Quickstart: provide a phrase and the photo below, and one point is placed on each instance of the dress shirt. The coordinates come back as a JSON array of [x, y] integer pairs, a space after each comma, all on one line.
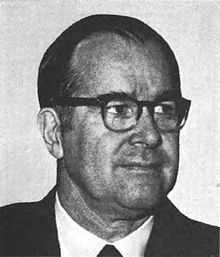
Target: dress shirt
[[74, 240]]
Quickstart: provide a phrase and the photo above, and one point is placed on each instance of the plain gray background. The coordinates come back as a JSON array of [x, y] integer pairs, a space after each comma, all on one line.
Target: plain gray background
[[192, 30]]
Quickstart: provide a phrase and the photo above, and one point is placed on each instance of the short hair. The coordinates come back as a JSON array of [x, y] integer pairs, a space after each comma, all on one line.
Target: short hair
[[55, 76]]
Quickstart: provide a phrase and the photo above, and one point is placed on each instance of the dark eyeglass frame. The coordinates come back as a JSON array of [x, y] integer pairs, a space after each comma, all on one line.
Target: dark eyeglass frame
[[102, 101]]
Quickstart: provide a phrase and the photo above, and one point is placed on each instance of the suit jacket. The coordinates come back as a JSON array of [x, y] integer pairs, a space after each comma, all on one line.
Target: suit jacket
[[29, 229]]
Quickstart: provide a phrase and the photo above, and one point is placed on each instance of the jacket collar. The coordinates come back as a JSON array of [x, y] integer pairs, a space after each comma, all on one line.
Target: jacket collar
[[165, 238], [49, 239]]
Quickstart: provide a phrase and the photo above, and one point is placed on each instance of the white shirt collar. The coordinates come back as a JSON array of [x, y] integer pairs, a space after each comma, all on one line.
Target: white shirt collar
[[74, 240]]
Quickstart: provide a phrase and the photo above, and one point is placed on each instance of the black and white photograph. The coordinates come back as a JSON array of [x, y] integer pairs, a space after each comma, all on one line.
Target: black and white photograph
[[109, 130]]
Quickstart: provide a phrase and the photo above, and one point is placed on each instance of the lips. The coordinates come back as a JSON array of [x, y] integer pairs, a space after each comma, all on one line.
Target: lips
[[151, 165]]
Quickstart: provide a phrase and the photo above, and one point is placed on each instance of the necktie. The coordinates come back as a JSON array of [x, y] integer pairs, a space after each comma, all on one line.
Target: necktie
[[109, 251]]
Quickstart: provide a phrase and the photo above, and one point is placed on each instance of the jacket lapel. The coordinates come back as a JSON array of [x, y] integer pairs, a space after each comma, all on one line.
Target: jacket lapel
[[165, 238], [48, 238]]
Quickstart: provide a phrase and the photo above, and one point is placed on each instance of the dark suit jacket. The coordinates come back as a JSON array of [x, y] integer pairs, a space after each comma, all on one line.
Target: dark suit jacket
[[29, 229]]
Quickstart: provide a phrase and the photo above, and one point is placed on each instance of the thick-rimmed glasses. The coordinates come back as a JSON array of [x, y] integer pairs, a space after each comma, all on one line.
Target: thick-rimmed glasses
[[121, 113]]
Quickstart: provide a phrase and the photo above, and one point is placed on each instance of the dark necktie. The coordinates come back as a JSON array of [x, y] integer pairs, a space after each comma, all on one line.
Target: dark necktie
[[109, 251]]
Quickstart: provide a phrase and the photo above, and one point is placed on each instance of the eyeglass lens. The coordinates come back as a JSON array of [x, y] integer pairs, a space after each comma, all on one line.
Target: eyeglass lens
[[121, 115]]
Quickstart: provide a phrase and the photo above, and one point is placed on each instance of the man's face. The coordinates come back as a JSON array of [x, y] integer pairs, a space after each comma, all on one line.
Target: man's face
[[120, 171]]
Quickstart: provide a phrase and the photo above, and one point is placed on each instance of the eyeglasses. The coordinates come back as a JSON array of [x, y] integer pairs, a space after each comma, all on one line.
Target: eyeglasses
[[121, 113]]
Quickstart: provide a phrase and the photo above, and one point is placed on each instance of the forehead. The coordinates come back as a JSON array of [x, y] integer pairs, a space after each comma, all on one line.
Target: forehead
[[110, 63]]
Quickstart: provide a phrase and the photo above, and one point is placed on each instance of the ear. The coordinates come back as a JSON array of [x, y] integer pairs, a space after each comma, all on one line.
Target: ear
[[49, 125]]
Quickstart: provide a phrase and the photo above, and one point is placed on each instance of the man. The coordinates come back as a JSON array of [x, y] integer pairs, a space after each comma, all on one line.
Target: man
[[111, 112]]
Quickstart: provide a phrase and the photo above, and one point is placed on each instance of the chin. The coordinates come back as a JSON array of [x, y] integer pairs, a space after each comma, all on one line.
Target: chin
[[143, 201]]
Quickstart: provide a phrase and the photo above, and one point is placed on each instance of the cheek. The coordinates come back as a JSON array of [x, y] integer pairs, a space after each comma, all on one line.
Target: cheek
[[171, 145], [99, 149], [88, 154], [171, 148]]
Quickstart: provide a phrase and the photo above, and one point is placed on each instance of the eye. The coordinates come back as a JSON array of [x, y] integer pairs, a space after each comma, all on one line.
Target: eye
[[122, 109], [166, 108]]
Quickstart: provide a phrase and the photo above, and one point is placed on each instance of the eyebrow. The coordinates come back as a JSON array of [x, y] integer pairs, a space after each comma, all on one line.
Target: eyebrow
[[118, 94], [166, 95]]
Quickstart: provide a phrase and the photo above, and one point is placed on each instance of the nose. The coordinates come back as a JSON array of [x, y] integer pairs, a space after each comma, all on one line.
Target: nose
[[145, 133]]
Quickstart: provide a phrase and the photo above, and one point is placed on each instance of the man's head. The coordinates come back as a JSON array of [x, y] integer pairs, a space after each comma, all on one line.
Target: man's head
[[119, 152]]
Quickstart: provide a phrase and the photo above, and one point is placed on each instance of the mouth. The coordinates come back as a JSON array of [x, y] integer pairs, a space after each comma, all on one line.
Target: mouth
[[141, 167]]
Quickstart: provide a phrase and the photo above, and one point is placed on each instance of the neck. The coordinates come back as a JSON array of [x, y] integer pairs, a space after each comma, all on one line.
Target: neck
[[102, 219]]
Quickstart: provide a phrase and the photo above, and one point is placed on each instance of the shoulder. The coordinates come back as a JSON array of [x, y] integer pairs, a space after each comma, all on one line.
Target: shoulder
[[20, 214], [23, 214], [196, 237], [17, 223], [17, 210], [17, 214], [174, 234], [200, 233], [24, 226]]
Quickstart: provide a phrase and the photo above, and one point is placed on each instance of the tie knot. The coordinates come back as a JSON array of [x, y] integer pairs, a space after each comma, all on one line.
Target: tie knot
[[109, 251]]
